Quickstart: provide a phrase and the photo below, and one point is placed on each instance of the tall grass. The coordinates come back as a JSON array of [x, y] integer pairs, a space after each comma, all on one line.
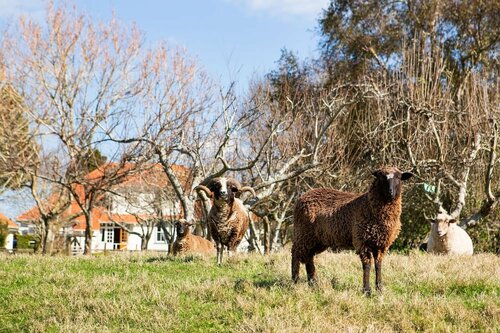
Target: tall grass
[[249, 293]]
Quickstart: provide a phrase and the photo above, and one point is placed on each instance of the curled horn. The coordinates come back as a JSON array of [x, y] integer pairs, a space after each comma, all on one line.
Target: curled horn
[[249, 189], [428, 218], [233, 182], [241, 189], [205, 189]]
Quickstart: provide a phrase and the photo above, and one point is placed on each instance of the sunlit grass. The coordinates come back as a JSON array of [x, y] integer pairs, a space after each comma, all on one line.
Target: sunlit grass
[[248, 293]]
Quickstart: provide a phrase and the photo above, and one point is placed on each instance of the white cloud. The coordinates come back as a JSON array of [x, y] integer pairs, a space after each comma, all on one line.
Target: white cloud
[[307, 8], [13, 8]]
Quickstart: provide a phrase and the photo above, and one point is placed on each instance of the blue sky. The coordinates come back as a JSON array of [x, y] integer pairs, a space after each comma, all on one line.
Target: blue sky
[[232, 39]]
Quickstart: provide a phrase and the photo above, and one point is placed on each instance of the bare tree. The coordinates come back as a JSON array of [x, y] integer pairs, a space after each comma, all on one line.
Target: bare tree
[[51, 203], [448, 136], [18, 150], [306, 143], [74, 76], [451, 140]]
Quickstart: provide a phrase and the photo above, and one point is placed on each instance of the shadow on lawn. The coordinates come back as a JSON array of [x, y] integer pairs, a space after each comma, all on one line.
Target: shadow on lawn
[[169, 258], [262, 282]]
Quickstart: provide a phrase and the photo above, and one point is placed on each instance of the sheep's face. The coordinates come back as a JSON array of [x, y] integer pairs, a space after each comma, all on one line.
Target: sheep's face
[[223, 189], [441, 225], [183, 228], [388, 181]]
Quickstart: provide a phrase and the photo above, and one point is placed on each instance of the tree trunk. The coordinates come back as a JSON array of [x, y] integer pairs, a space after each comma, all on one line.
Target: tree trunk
[[144, 243], [45, 235], [254, 239], [207, 205], [168, 238], [88, 234], [145, 240], [50, 240], [267, 235], [276, 236]]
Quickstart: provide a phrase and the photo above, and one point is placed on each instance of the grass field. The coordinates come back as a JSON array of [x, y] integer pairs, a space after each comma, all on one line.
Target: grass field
[[249, 293]]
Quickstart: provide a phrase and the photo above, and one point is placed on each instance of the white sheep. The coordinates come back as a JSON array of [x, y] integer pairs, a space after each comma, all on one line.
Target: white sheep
[[448, 238]]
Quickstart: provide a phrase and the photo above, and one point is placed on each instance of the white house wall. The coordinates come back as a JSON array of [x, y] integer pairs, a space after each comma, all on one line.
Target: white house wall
[[142, 205], [133, 243], [9, 242]]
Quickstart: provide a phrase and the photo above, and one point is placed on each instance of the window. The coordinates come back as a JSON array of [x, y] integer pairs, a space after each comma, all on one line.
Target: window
[[107, 232], [160, 236], [109, 236]]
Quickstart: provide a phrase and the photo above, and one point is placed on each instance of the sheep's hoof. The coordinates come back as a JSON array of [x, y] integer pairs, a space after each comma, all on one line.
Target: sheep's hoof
[[379, 288], [367, 292], [312, 282]]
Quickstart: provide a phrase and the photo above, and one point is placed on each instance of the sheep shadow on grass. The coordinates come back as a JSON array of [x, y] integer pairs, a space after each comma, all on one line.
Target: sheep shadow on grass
[[263, 283], [180, 259]]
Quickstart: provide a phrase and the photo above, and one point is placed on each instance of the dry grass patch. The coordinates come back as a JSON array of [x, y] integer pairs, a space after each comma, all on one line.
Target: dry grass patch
[[249, 293]]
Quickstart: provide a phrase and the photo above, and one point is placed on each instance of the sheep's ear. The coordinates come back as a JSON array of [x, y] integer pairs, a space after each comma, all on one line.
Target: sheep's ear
[[233, 186], [406, 175], [375, 173]]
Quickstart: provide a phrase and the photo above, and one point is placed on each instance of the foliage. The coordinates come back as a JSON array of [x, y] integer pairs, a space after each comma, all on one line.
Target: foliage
[[249, 293], [4, 232], [24, 241], [359, 36]]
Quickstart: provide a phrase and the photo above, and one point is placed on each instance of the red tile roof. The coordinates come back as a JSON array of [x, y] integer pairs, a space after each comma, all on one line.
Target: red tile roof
[[10, 224], [152, 176]]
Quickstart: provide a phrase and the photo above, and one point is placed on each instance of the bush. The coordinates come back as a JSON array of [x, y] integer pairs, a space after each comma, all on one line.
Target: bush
[[23, 241], [4, 232]]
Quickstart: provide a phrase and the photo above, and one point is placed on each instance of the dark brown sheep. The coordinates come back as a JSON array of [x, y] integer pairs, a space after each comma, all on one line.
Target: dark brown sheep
[[228, 218], [186, 242], [368, 222]]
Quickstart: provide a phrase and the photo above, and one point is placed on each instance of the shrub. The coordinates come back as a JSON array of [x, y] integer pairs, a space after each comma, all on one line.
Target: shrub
[[4, 232], [23, 241]]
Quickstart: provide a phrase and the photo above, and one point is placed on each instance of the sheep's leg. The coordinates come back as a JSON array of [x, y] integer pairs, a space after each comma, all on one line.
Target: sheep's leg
[[366, 278], [311, 270], [366, 260], [220, 250], [378, 255], [295, 268], [378, 274]]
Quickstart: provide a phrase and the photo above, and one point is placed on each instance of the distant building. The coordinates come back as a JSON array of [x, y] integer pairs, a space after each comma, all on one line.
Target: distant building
[[121, 214], [13, 229]]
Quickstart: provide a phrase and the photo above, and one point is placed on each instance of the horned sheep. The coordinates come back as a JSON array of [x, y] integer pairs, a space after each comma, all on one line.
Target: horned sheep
[[368, 222], [228, 218], [448, 238], [186, 242]]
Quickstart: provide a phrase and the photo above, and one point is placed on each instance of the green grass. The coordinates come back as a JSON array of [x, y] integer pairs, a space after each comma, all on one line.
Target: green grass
[[249, 293]]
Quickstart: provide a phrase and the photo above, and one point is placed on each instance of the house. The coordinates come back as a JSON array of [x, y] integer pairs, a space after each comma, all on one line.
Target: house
[[13, 229], [132, 207]]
